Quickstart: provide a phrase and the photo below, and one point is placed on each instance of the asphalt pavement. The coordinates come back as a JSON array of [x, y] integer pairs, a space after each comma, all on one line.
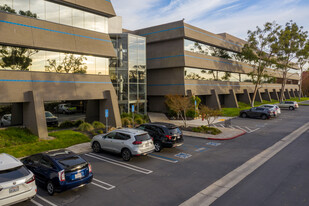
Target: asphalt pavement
[[176, 174]]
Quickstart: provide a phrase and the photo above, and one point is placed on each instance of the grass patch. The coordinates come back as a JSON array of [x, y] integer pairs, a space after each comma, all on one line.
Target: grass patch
[[207, 130], [20, 142], [233, 112]]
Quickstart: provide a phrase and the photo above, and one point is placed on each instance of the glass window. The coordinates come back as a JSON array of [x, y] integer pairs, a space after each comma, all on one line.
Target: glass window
[[13, 174], [111, 135], [133, 52], [101, 23], [200, 74], [141, 76], [101, 66], [66, 15], [78, 18], [245, 78], [89, 21], [90, 62], [52, 12], [133, 92], [142, 52], [38, 7], [133, 76], [38, 61], [22, 5]]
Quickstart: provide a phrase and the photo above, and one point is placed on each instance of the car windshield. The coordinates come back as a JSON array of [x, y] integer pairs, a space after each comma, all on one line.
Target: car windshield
[[13, 174], [48, 114], [175, 130], [142, 137], [70, 162]]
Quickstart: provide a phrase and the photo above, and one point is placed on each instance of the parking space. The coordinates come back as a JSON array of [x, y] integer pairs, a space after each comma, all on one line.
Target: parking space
[[115, 180]]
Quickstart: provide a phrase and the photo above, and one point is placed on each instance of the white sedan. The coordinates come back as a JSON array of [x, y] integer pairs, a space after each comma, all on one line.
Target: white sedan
[[17, 183], [276, 110]]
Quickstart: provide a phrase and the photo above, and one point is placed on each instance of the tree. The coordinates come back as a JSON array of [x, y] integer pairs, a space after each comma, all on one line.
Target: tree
[[259, 53], [16, 58], [210, 115], [290, 40], [70, 64], [180, 105], [302, 61]]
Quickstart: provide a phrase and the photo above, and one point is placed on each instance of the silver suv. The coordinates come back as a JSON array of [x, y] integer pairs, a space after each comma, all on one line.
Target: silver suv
[[291, 105], [17, 183], [127, 142]]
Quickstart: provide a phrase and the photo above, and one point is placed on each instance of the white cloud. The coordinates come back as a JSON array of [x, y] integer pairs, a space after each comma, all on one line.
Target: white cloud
[[217, 16]]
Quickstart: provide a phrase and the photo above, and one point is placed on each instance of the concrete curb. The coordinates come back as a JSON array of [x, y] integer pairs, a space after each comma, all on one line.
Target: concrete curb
[[228, 138]]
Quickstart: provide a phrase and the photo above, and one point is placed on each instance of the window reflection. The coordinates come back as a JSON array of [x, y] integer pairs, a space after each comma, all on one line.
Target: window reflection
[[56, 13]]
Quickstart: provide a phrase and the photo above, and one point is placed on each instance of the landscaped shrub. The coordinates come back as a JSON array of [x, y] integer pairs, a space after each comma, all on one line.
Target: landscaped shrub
[[78, 122], [207, 130], [98, 125], [100, 132], [85, 127], [126, 121], [139, 121], [192, 114], [67, 124]]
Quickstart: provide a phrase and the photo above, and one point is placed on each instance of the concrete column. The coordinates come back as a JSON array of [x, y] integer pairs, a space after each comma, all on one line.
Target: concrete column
[[287, 94], [274, 95], [245, 97], [96, 110], [110, 102], [296, 92], [213, 101], [34, 115], [17, 114], [266, 95], [231, 100], [258, 96], [292, 94]]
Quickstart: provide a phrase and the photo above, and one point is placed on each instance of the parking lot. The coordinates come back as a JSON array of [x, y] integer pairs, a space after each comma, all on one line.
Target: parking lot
[[175, 174]]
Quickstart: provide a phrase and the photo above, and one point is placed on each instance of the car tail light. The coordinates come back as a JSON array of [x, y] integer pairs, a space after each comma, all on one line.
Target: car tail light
[[90, 168], [30, 180], [61, 176], [137, 142], [168, 137]]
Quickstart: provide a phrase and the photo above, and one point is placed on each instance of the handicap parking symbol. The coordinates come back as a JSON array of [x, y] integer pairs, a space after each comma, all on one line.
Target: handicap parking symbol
[[183, 155], [213, 144]]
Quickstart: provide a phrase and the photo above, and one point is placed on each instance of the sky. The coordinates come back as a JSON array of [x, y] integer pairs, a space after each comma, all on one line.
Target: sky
[[235, 17]]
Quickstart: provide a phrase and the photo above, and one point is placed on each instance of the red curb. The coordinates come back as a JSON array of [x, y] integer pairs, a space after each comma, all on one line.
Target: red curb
[[228, 138]]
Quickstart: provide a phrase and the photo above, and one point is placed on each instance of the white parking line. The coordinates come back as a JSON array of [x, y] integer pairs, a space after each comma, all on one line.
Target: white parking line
[[248, 129], [36, 203], [254, 130], [45, 200], [162, 158], [104, 183], [121, 164], [241, 128], [232, 127], [222, 125]]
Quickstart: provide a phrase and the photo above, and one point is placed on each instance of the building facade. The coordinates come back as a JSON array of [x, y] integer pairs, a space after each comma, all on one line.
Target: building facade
[[128, 72], [186, 60], [53, 51]]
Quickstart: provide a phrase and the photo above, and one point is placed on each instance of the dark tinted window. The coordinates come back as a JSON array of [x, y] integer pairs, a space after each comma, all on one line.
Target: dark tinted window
[[141, 127], [12, 174], [46, 162], [32, 159], [71, 162], [121, 136], [260, 109], [111, 135], [175, 130], [142, 137]]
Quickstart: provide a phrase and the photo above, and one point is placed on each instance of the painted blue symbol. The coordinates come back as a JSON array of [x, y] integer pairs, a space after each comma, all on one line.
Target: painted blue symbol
[[183, 155], [132, 108], [215, 144], [106, 113]]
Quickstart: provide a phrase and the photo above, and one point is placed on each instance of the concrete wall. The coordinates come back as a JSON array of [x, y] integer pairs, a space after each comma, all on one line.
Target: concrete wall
[[32, 89], [115, 25], [33, 33]]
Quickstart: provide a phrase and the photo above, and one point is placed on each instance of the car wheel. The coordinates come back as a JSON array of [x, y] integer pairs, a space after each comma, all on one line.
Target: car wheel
[[264, 117], [96, 147], [126, 154], [291, 108], [158, 146], [50, 188], [243, 115]]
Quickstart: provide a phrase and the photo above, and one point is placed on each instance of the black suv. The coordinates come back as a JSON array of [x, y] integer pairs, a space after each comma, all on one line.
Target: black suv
[[163, 134], [256, 112]]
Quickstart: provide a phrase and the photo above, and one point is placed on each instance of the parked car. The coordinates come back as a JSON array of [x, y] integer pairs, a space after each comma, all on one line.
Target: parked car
[[59, 170], [276, 110], [291, 105], [65, 109], [6, 120], [51, 120], [256, 112], [127, 142], [17, 183], [163, 134]]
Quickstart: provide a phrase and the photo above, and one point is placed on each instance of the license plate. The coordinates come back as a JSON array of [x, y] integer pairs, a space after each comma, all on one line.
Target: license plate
[[14, 189], [78, 175]]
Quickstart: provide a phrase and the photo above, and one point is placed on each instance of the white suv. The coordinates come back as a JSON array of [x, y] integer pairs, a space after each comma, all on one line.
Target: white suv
[[127, 142], [17, 183], [291, 105]]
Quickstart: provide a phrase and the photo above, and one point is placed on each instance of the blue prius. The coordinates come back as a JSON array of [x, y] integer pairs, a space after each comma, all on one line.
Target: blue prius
[[59, 170]]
